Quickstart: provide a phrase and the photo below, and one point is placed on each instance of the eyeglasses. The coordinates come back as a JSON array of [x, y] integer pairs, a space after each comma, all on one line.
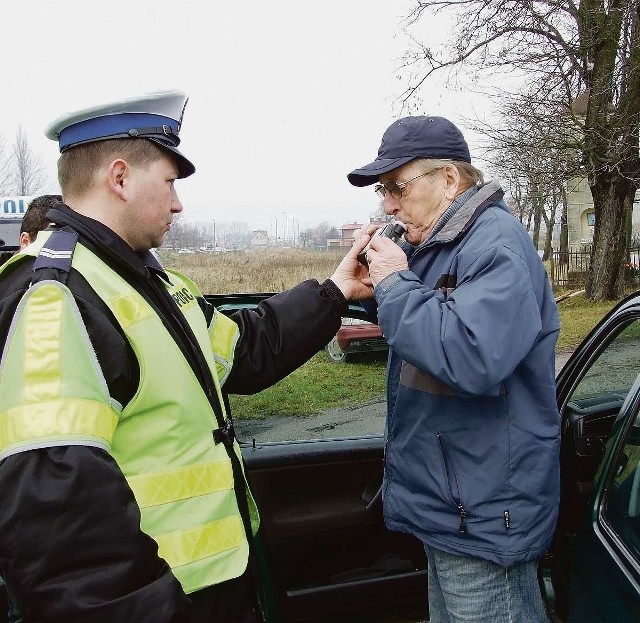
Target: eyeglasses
[[395, 189]]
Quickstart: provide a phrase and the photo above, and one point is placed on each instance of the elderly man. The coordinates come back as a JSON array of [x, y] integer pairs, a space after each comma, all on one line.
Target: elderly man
[[472, 425], [124, 497]]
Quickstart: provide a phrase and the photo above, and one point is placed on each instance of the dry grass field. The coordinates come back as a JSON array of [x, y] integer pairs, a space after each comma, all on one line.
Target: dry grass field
[[319, 384], [275, 270], [268, 270]]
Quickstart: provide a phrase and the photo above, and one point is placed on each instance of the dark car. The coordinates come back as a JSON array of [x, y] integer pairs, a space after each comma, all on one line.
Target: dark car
[[330, 557]]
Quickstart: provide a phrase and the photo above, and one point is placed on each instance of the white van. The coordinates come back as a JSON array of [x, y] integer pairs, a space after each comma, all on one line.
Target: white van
[[12, 211]]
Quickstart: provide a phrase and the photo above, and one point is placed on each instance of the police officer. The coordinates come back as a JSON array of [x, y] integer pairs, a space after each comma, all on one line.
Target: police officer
[[117, 503]]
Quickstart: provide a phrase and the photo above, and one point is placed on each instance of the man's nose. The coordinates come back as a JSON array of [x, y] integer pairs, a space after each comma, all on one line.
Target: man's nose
[[390, 204], [176, 204]]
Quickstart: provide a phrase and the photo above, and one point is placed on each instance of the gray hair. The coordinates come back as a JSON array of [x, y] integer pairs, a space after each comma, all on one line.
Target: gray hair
[[469, 174]]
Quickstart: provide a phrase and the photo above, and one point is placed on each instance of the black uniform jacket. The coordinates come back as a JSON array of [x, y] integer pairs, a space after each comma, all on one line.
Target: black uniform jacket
[[71, 548]]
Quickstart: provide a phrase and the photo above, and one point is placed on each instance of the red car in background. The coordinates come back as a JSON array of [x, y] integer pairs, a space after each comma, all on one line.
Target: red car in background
[[355, 336]]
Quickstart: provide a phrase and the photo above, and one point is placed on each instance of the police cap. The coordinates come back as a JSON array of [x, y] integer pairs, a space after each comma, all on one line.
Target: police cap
[[155, 116]]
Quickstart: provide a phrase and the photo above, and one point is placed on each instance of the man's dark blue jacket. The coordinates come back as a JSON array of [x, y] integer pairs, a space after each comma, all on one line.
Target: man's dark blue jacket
[[473, 430]]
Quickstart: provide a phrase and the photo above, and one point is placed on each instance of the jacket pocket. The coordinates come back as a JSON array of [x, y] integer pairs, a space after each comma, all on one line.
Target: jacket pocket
[[453, 482]]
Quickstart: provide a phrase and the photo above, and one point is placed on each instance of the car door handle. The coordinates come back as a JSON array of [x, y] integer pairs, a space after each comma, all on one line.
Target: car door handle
[[372, 496]]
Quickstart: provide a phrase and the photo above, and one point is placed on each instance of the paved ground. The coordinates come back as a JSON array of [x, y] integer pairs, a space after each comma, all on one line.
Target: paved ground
[[561, 358], [365, 419]]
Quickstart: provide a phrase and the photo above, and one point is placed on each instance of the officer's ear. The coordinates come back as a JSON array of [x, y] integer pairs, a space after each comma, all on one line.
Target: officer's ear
[[117, 177]]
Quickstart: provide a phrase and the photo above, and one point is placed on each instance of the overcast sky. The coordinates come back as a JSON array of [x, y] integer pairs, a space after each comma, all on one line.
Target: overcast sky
[[285, 97]]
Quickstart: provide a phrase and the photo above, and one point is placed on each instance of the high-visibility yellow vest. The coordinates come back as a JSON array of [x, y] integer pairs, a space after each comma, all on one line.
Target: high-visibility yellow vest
[[53, 392]]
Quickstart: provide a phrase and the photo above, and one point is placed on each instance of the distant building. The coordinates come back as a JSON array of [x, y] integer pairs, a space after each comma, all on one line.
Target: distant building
[[347, 230], [581, 216], [259, 238]]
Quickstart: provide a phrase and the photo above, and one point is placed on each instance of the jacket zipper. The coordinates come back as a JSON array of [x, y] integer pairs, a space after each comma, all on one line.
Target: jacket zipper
[[452, 478]]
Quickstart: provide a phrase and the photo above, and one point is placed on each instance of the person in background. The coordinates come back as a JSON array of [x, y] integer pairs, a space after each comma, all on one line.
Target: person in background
[[35, 218], [4, 255], [473, 430], [124, 496], [33, 221]]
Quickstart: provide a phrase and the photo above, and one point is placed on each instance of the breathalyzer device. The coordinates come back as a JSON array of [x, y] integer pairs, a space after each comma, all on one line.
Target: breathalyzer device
[[393, 230]]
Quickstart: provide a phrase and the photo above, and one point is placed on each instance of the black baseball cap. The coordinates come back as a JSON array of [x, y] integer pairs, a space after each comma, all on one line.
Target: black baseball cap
[[409, 138]]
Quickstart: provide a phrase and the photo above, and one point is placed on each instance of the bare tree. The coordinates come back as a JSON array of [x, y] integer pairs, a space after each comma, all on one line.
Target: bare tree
[[320, 233], [379, 214], [5, 169], [174, 237], [28, 173], [535, 151], [567, 51]]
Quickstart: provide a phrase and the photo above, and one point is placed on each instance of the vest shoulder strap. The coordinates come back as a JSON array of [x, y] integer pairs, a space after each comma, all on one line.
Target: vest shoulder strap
[[56, 254]]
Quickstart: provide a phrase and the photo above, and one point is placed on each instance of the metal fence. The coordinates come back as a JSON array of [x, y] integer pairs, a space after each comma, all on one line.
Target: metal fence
[[569, 269]]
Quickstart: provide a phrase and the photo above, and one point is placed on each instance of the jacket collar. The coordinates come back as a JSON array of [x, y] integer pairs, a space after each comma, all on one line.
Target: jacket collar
[[105, 242], [469, 211], [464, 216]]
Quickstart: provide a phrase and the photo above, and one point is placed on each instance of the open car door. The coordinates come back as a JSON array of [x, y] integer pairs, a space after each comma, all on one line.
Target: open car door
[[317, 478], [593, 571]]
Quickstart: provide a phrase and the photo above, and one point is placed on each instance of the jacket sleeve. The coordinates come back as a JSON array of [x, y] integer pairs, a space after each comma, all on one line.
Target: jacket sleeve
[[70, 544], [473, 337], [283, 333]]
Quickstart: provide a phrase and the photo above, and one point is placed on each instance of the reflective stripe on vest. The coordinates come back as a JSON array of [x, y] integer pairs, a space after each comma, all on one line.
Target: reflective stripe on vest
[[43, 400], [163, 441]]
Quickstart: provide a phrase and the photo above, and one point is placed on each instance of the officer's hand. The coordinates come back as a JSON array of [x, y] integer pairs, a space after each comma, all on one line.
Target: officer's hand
[[385, 257], [366, 229], [351, 276]]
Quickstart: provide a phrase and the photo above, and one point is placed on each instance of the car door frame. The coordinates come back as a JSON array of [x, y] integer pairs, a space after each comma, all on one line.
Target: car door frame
[[556, 568]]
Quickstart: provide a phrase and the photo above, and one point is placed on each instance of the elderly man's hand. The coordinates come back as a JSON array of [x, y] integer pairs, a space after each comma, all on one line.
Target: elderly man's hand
[[385, 257]]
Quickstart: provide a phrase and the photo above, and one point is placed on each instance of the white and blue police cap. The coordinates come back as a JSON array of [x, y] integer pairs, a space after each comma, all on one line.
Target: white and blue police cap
[[154, 116]]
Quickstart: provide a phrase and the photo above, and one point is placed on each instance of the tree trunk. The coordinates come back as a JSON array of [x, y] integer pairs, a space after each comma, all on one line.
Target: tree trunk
[[548, 239], [538, 207], [629, 228], [605, 280], [564, 232]]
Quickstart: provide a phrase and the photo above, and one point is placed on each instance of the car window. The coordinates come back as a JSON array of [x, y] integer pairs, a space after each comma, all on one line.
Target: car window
[[622, 499], [612, 374], [339, 393]]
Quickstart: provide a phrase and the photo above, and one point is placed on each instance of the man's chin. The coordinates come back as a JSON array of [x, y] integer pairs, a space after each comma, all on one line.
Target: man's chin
[[413, 237]]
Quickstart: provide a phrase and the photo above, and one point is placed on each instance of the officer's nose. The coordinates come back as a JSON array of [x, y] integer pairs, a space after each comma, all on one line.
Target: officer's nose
[[176, 204]]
